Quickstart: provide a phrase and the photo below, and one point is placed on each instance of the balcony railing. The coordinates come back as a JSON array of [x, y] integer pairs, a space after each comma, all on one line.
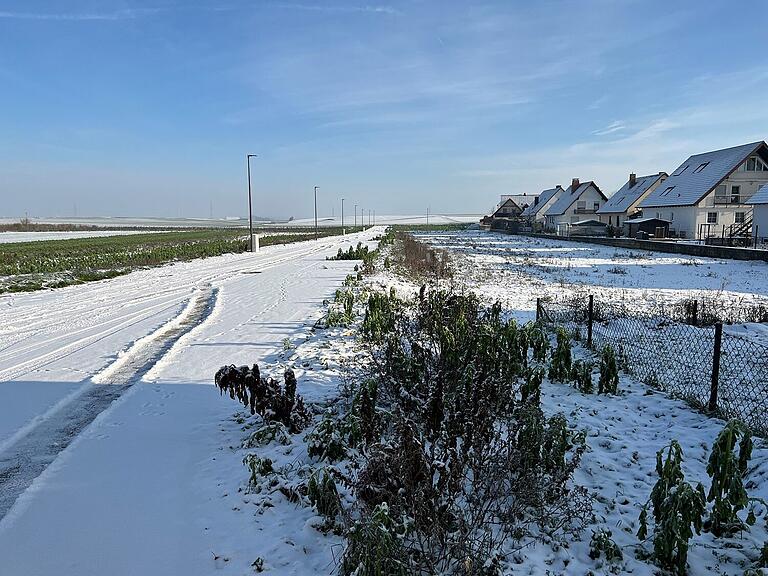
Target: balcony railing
[[726, 200], [584, 211]]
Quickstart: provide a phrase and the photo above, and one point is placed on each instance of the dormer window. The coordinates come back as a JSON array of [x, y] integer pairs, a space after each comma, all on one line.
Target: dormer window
[[701, 167], [755, 164]]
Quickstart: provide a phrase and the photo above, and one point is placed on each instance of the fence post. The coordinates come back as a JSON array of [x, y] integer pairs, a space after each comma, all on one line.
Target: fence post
[[538, 309], [695, 313], [712, 406], [589, 321]]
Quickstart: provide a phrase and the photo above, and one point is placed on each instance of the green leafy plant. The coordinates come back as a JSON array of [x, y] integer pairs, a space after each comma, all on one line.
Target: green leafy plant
[[323, 494], [333, 437], [374, 547], [560, 363], [538, 341], [259, 468], [726, 470], [601, 544], [581, 374], [678, 511], [609, 372]]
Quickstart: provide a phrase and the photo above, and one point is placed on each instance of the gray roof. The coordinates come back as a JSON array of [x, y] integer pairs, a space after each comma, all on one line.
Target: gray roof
[[569, 197], [626, 196], [648, 219], [759, 197], [699, 175], [544, 197]]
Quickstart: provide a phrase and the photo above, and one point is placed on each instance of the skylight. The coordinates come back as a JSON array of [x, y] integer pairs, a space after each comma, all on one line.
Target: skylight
[[668, 190], [701, 167]]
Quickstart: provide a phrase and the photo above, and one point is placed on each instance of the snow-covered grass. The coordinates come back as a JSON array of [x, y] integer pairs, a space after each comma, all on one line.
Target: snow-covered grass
[[517, 269]]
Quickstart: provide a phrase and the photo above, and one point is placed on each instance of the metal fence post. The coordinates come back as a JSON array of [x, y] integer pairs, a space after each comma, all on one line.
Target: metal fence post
[[538, 309], [695, 313], [712, 406], [589, 321]]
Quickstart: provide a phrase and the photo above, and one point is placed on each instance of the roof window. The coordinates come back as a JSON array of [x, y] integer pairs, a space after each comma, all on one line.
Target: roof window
[[667, 191], [701, 167]]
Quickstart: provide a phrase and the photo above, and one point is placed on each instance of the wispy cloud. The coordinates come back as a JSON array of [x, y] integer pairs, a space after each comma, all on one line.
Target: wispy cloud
[[337, 8], [616, 126], [125, 14]]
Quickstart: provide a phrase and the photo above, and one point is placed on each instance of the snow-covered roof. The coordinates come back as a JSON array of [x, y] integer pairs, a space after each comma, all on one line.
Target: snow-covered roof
[[544, 197], [569, 197], [648, 219], [759, 197], [700, 174], [628, 195], [589, 223]]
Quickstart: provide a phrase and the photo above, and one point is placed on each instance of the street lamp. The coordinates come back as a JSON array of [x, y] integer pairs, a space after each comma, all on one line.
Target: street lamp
[[250, 203], [355, 215], [316, 187], [342, 215]]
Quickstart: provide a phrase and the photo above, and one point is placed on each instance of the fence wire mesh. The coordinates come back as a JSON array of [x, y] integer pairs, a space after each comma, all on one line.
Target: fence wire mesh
[[665, 353]]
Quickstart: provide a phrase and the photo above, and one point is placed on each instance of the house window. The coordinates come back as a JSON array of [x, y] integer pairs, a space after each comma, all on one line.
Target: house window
[[739, 218], [658, 214], [671, 216], [701, 167], [751, 164], [581, 205], [711, 217], [596, 206], [667, 191], [735, 194], [610, 220], [721, 194]]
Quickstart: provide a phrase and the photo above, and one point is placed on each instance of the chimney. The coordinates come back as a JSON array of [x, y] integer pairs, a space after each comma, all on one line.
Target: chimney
[[574, 184], [535, 200], [632, 180]]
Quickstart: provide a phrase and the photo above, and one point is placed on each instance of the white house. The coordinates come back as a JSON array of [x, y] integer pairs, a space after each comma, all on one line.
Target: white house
[[623, 205], [708, 193], [580, 201], [535, 212], [759, 202]]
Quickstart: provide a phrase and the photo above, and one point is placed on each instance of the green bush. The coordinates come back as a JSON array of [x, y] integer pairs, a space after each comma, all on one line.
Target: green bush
[[374, 547], [609, 372], [581, 374], [323, 494], [560, 363]]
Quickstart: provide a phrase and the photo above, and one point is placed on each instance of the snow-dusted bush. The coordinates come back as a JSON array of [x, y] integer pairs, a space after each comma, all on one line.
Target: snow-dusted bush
[[609, 372], [581, 374], [265, 396], [323, 494], [374, 547], [678, 511], [560, 363]]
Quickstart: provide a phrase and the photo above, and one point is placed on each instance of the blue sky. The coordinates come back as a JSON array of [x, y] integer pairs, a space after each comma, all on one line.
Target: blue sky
[[148, 108]]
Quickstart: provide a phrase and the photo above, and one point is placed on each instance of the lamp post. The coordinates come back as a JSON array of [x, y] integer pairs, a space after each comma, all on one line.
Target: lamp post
[[355, 215], [342, 215], [316, 212], [250, 203]]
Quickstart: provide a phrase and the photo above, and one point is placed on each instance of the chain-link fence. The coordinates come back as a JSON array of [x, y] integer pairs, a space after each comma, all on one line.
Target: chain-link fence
[[713, 368]]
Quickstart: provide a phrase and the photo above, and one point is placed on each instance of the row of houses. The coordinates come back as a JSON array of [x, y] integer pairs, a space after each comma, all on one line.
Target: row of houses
[[723, 193]]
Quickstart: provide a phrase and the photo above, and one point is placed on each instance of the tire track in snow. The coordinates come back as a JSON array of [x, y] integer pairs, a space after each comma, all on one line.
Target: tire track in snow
[[30, 452]]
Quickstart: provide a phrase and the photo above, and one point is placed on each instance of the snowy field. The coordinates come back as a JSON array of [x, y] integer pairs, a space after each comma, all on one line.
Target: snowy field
[[10, 237], [518, 269], [148, 487]]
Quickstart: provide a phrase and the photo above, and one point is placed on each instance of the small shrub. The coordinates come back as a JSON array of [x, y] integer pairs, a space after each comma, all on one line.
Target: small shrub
[[265, 397], [333, 437], [374, 547], [609, 372], [538, 341], [323, 494], [531, 388], [560, 364], [581, 374], [726, 469], [357, 253], [602, 544], [267, 434], [259, 467], [678, 510]]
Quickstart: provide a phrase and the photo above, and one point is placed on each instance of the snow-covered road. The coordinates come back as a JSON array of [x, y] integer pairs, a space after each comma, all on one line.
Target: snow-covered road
[[145, 489]]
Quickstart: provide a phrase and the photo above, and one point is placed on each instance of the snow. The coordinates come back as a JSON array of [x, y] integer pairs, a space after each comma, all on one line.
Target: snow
[[9, 237], [156, 483], [518, 269], [151, 486]]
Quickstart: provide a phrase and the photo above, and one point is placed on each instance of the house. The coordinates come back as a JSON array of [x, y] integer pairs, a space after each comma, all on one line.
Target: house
[[708, 193], [579, 200], [624, 204], [644, 227], [523, 200], [534, 214], [759, 204], [507, 209]]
